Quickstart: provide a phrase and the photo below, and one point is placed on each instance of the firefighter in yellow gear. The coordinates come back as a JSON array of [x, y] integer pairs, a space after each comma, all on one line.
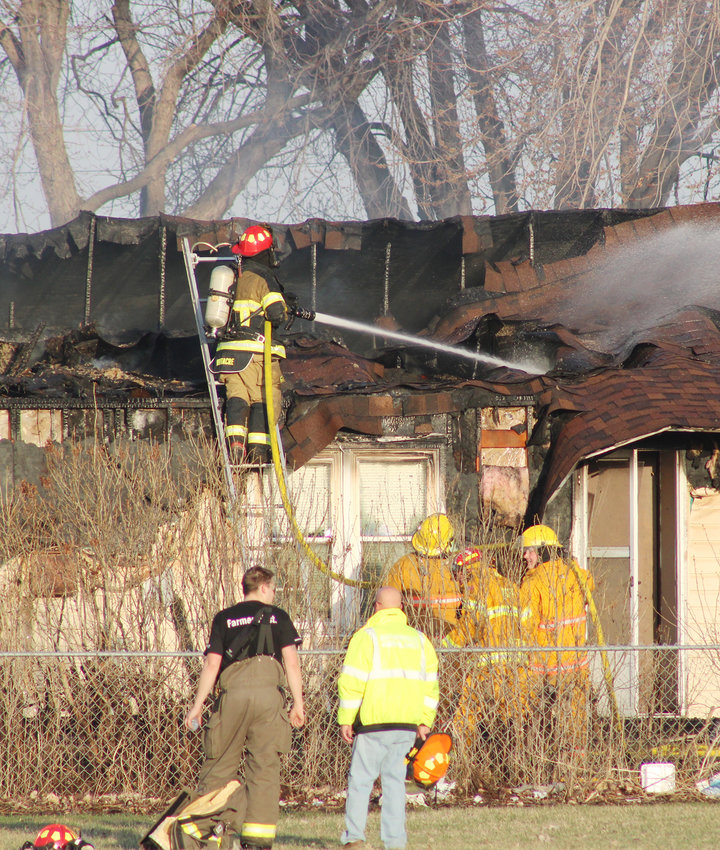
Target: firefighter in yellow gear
[[431, 595], [554, 604], [494, 685], [239, 354]]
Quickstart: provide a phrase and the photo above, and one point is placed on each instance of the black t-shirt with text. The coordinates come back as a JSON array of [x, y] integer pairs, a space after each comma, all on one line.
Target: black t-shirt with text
[[228, 623]]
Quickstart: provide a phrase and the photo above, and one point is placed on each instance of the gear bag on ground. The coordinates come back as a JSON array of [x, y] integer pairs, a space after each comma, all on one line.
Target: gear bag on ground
[[192, 822]]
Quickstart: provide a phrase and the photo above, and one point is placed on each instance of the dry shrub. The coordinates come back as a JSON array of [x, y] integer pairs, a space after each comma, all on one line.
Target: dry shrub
[[123, 551]]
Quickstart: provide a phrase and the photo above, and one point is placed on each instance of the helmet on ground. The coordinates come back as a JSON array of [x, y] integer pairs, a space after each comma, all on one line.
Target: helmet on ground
[[538, 535], [256, 239], [434, 536], [55, 836]]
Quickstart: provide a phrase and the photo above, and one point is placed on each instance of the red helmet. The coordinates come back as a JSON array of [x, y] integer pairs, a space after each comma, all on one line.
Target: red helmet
[[467, 557], [254, 240], [55, 836]]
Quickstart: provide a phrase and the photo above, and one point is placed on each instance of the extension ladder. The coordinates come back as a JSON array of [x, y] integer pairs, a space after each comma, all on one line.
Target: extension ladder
[[191, 261]]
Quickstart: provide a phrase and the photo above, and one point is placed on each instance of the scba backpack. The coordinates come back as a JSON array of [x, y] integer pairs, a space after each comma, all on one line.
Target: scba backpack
[[428, 760]]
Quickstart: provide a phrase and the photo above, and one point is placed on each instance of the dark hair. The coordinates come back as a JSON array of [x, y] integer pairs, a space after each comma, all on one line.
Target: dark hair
[[254, 577]]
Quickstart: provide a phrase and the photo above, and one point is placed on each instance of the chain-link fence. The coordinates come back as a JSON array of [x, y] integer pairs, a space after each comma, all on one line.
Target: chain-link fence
[[104, 730]]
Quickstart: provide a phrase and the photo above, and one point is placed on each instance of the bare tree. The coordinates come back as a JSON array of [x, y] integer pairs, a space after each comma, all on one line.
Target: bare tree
[[405, 108]]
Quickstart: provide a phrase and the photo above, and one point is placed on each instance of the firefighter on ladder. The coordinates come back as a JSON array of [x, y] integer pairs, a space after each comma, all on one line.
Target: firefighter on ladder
[[424, 576], [553, 596], [238, 359]]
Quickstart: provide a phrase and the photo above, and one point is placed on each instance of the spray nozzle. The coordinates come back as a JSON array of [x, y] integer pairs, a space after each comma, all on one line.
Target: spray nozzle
[[301, 313]]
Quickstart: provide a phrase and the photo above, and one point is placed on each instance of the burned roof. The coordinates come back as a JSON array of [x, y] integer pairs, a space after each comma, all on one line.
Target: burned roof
[[607, 320]]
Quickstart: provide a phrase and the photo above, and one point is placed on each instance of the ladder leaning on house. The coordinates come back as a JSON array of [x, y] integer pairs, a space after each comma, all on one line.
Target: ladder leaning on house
[[255, 501]]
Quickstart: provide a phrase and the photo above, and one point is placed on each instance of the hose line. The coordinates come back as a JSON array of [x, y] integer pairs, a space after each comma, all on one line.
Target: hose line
[[325, 568], [280, 474]]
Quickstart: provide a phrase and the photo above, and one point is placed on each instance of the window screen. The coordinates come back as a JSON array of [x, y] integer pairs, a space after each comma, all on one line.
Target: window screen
[[393, 496], [309, 493]]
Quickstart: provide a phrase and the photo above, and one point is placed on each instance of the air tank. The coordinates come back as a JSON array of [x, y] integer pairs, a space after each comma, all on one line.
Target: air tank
[[220, 297]]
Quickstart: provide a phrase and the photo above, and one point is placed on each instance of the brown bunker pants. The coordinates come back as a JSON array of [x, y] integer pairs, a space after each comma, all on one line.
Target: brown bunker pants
[[249, 719]]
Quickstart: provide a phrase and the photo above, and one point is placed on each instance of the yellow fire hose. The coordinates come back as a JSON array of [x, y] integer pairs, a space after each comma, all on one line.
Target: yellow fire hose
[[280, 474], [607, 671]]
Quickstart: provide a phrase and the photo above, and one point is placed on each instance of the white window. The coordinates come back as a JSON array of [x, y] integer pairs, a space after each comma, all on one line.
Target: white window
[[358, 509]]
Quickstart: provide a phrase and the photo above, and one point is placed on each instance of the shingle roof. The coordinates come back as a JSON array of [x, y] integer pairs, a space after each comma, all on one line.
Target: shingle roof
[[468, 281]]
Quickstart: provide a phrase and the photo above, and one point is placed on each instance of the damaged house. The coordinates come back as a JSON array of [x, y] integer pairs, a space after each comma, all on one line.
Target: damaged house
[[594, 403]]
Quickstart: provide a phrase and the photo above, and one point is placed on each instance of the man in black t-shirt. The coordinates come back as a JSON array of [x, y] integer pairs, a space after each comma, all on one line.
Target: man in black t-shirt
[[249, 716]]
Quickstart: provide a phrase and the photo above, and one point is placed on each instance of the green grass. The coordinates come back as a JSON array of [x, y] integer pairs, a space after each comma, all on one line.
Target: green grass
[[649, 826]]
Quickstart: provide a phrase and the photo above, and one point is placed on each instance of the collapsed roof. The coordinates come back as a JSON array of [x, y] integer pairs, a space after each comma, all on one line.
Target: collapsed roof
[[607, 320]]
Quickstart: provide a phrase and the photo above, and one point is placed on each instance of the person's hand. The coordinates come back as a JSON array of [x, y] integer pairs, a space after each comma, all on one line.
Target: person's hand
[[346, 733], [296, 716], [423, 731], [193, 720]]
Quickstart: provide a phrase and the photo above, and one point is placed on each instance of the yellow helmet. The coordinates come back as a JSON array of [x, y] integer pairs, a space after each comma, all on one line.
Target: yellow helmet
[[538, 535], [434, 536]]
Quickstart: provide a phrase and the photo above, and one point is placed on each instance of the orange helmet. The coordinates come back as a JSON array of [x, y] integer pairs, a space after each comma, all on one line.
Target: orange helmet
[[255, 240], [428, 760]]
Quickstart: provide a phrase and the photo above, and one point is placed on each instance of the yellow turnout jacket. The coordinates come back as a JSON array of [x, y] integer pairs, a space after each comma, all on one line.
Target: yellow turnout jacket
[[491, 614], [555, 606], [431, 594]]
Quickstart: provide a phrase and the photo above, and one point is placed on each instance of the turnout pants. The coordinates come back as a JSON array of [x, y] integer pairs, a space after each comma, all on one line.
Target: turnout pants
[[248, 719]]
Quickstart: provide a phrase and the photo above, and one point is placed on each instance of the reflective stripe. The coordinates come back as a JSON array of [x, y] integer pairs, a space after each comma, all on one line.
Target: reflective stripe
[[397, 673], [272, 298], [245, 308], [436, 600], [236, 431], [430, 702], [255, 346], [258, 830], [191, 829], [559, 624], [350, 703], [259, 438], [356, 673]]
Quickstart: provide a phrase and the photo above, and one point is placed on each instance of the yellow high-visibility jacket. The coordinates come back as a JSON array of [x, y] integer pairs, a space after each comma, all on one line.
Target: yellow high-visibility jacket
[[556, 616], [432, 596], [389, 678], [491, 614]]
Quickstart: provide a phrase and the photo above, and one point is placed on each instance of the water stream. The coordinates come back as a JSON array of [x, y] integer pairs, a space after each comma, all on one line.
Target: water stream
[[411, 339]]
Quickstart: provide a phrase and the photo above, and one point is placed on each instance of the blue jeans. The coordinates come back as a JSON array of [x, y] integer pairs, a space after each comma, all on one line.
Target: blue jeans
[[378, 754]]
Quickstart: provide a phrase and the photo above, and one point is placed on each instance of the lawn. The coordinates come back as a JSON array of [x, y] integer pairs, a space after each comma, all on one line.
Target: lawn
[[655, 825]]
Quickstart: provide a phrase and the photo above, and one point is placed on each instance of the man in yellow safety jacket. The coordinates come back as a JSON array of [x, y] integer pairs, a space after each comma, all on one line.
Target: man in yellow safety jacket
[[388, 690], [239, 355], [425, 578], [553, 596]]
